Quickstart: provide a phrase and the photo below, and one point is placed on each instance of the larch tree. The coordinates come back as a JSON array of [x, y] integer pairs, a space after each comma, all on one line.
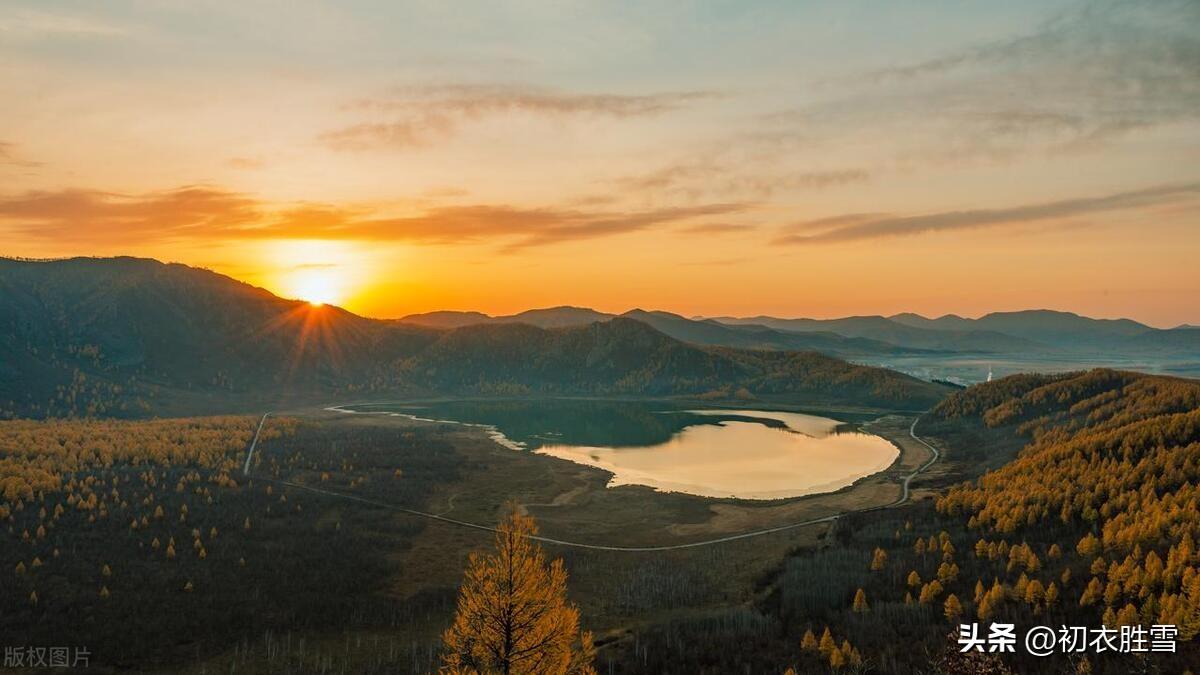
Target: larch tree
[[826, 644], [860, 602], [513, 614], [952, 608], [914, 579]]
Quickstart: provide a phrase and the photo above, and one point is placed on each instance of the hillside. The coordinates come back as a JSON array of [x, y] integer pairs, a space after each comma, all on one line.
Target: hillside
[[132, 337], [753, 336], [1111, 471], [624, 356], [1062, 330], [701, 332], [1042, 334], [550, 317], [106, 334], [1087, 517]]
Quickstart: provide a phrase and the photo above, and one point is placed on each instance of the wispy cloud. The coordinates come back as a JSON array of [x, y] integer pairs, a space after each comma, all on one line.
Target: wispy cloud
[[715, 228], [92, 215], [10, 156], [856, 227], [419, 116], [205, 212], [735, 176], [25, 23], [1086, 78], [244, 162]]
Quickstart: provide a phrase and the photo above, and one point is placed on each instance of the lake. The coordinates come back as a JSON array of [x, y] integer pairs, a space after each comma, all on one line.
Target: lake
[[745, 454]]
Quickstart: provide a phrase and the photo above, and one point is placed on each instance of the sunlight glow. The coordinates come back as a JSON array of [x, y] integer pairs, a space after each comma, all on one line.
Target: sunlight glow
[[317, 286], [318, 272]]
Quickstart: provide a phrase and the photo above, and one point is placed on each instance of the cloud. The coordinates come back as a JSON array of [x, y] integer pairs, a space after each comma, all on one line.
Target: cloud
[[244, 162], [716, 262], [10, 157], [92, 215], [523, 227], [856, 227], [205, 212], [1081, 80], [715, 228], [419, 116], [27, 23], [735, 176]]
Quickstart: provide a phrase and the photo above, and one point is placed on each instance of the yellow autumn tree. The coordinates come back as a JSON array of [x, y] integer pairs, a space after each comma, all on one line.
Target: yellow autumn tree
[[952, 607], [513, 614], [826, 644], [860, 602]]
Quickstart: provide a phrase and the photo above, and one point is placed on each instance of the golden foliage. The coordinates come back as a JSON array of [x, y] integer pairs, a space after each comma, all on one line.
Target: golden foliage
[[513, 614], [36, 456], [1113, 454]]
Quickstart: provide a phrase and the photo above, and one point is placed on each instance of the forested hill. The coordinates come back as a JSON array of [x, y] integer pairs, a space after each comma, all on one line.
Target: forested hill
[[125, 335], [129, 337], [1111, 475], [623, 356]]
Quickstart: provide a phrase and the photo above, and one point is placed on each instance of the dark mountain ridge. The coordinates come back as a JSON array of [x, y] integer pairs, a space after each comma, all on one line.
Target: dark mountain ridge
[[127, 336], [703, 332]]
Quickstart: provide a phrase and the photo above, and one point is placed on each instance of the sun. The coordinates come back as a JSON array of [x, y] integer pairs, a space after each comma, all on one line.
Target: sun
[[317, 286], [317, 272]]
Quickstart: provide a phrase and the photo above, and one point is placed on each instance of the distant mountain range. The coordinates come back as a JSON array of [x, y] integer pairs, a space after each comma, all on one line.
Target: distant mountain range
[[702, 332], [1030, 332], [128, 336]]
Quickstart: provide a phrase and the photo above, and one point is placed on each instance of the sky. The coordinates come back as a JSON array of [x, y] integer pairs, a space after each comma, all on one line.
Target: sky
[[707, 158]]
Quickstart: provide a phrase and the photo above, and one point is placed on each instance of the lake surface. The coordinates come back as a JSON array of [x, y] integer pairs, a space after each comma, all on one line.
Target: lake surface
[[747, 454]]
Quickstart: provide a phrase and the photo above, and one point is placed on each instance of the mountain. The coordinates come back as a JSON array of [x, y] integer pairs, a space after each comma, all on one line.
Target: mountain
[[114, 331], [625, 356], [703, 332], [1174, 340], [556, 317], [127, 336], [944, 322], [754, 336], [446, 319], [1063, 330], [551, 317], [1042, 333], [882, 329]]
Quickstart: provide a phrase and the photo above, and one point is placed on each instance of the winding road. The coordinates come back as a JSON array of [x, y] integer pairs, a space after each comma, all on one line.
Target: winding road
[[904, 497]]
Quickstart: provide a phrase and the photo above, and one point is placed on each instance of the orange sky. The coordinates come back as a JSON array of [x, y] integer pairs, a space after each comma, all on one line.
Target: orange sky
[[868, 158]]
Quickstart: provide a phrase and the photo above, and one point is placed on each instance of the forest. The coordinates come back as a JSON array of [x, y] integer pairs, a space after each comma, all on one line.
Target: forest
[[1086, 515], [1060, 500], [143, 542]]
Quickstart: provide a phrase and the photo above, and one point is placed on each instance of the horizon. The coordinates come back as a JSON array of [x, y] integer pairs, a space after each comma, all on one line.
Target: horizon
[[614, 312], [861, 159], [626, 337], [617, 311]]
